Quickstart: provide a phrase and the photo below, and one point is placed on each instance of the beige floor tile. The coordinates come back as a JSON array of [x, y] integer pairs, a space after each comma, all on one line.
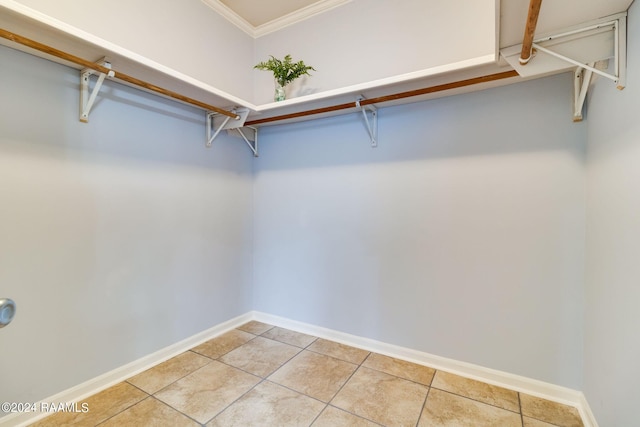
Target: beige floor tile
[[476, 390], [167, 372], [550, 412], [400, 368], [334, 417], [314, 374], [444, 409], [260, 356], [382, 398], [532, 422], [255, 327], [101, 407], [270, 405], [204, 393], [289, 337], [150, 412], [339, 351], [219, 346]]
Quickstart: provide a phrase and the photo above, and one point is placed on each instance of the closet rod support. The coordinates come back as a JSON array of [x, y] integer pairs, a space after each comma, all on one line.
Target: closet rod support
[[210, 124], [582, 80], [87, 100], [577, 63], [216, 123], [253, 147], [372, 126], [619, 28]]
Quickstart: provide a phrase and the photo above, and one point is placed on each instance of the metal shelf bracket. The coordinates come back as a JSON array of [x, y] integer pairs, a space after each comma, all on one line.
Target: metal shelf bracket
[[251, 140], [589, 47], [581, 81], [619, 27], [216, 123], [585, 71], [87, 100], [371, 125]]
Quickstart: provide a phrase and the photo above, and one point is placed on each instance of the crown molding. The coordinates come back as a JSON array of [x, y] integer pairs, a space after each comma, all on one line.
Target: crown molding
[[231, 16], [276, 24]]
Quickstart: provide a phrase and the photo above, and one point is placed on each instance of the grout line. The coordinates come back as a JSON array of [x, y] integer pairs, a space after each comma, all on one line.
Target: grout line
[[356, 415], [424, 405], [175, 409], [132, 385], [519, 411], [172, 382], [347, 380], [338, 358], [236, 400], [319, 413], [295, 391], [433, 377], [520, 407], [125, 409], [475, 400], [401, 378]]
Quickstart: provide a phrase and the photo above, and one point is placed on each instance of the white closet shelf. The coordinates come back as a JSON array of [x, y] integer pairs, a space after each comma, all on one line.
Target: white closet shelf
[[28, 23], [41, 28]]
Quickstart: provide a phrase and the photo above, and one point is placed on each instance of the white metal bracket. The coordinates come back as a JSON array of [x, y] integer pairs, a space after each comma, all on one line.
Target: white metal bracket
[[619, 27], [371, 125], [216, 123], [87, 100], [251, 140], [584, 46], [581, 82]]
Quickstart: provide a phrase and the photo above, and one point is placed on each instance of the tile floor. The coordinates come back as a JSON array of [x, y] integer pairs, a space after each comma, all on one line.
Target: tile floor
[[260, 375]]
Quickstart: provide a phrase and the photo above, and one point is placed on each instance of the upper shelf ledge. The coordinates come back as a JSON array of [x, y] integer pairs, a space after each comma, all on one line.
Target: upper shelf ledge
[[30, 23]]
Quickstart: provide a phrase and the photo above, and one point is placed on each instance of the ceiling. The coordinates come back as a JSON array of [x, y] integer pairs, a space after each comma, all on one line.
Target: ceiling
[[259, 17], [260, 12]]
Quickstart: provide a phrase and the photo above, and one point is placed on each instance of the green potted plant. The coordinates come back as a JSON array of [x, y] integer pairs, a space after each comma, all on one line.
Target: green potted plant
[[284, 72]]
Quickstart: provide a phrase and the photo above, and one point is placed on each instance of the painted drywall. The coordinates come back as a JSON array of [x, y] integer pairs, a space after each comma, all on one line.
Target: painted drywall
[[118, 237], [186, 35], [612, 317], [461, 235], [366, 40]]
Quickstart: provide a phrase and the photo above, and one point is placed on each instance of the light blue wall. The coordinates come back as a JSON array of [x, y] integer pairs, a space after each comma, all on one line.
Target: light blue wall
[[118, 237], [612, 338], [461, 235]]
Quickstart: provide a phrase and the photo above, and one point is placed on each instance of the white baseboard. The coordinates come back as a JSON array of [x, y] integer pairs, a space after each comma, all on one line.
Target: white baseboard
[[120, 374], [518, 383], [588, 419], [491, 376]]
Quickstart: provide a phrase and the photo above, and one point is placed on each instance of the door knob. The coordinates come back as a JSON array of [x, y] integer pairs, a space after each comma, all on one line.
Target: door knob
[[7, 311]]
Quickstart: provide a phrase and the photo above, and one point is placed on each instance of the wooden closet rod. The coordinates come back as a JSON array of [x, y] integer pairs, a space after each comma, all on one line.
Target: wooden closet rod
[[386, 98], [97, 67], [529, 31]]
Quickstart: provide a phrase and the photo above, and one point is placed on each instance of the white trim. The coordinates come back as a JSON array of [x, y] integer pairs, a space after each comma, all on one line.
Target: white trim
[[231, 16], [518, 383], [298, 16], [111, 378], [588, 418], [276, 24]]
